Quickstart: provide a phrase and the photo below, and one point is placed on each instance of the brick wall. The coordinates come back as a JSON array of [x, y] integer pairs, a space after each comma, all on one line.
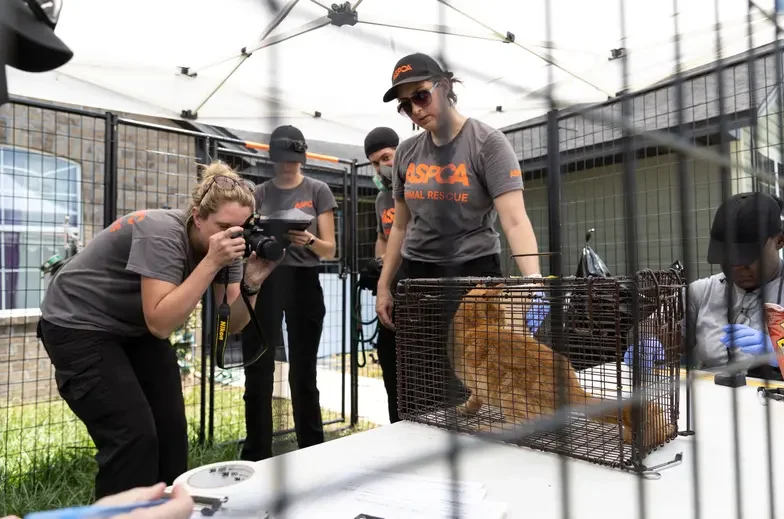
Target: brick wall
[[154, 168]]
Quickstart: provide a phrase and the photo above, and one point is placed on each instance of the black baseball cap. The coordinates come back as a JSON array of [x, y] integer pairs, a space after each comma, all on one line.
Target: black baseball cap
[[744, 210], [412, 69], [287, 144]]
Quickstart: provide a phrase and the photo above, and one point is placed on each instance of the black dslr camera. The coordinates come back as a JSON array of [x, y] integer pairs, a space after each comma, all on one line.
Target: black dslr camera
[[266, 235]]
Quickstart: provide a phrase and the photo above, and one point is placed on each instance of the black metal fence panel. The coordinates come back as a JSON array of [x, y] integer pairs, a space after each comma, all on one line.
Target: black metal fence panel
[[52, 167]]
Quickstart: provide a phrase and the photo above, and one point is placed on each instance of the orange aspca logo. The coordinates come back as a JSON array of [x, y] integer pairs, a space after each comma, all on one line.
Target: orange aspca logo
[[515, 173], [131, 219], [400, 70], [449, 174], [388, 216], [303, 204]]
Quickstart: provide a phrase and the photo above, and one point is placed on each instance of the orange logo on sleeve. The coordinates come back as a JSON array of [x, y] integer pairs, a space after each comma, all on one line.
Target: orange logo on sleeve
[[449, 174], [131, 219], [515, 173], [400, 70], [388, 216], [303, 204]]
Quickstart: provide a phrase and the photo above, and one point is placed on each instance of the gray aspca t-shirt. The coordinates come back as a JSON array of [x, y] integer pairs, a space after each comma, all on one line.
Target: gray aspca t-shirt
[[449, 191], [708, 314], [311, 196], [100, 288], [385, 212]]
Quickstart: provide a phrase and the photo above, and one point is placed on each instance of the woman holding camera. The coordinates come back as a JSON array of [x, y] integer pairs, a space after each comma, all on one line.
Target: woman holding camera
[[108, 313], [450, 182], [294, 289]]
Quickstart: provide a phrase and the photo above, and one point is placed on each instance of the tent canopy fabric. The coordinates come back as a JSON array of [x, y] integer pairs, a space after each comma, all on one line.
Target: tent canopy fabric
[[166, 58]]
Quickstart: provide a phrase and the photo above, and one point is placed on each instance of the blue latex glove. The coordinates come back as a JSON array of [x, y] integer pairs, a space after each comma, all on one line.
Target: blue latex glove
[[748, 340], [651, 353], [537, 312]]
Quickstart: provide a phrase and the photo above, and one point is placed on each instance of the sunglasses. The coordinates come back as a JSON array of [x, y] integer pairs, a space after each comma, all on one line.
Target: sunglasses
[[228, 184], [421, 98]]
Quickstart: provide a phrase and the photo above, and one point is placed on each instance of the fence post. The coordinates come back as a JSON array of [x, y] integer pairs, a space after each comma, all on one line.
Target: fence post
[[110, 170], [347, 315], [554, 193], [203, 156], [353, 296]]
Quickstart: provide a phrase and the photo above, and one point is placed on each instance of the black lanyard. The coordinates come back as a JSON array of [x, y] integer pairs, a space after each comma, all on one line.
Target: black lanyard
[[222, 326]]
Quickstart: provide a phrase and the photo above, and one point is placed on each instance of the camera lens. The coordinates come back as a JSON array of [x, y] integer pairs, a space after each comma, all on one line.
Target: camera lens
[[265, 247], [270, 250]]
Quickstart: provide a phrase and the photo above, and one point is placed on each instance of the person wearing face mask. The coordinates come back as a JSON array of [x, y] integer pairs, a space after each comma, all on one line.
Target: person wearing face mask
[[380, 145]]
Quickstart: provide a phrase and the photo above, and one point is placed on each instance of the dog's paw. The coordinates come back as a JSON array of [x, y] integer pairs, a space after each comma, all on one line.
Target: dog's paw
[[466, 410]]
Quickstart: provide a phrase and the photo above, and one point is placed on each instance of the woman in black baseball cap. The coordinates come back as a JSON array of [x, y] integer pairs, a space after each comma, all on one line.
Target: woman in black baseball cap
[[450, 183], [295, 290]]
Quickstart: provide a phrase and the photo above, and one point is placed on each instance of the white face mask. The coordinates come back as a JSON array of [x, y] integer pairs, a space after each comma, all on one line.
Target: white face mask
[[386, 172], [383, 178]]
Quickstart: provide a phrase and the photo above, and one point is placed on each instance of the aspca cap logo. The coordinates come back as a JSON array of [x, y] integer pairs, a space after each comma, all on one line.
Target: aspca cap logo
[[302, 204], [400, 70], [449, 174]]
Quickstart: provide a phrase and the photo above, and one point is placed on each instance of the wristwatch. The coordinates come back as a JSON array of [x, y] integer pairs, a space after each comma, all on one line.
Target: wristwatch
[[310, 243], [247, 290]]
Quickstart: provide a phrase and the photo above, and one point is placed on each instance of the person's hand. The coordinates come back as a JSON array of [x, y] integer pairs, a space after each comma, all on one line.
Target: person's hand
[[537, 312], [748, 340], [223, 249], [299, 237], [651, 353], [180, 506], [384, 304], [258, 269]]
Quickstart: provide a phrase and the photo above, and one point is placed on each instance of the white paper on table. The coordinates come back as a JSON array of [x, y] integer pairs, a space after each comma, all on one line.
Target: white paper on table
[[399, 496]]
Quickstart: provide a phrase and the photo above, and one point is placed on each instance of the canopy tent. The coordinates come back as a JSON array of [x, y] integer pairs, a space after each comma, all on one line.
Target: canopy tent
[[180, 58]]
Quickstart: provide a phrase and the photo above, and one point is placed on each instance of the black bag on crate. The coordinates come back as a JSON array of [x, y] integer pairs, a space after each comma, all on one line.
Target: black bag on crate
[[591, 264], [596, 314]]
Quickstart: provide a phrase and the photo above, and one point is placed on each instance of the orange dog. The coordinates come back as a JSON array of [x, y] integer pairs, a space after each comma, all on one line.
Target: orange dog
[[513, 372]]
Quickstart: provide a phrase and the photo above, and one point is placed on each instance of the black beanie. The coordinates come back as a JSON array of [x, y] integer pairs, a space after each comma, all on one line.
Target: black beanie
[[380, 138]]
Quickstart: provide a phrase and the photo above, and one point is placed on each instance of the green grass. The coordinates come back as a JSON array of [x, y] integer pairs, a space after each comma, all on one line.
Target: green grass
[[46, 455], [371, 368]]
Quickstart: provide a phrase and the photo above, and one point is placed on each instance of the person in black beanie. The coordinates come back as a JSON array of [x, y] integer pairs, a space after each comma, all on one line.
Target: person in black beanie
[[380, 145]]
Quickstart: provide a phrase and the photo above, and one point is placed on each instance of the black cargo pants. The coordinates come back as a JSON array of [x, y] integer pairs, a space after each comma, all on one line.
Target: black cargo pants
[[127, 391]]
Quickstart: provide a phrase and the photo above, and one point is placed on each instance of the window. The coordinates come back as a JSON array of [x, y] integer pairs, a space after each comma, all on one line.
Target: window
[[37, 192]]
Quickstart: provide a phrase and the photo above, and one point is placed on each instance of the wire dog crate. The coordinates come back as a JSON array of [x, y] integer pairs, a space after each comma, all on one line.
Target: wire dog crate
[[467, 360]]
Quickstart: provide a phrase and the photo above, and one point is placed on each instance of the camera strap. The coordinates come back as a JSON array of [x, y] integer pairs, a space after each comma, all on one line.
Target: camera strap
[[222, 324], [222, 327]]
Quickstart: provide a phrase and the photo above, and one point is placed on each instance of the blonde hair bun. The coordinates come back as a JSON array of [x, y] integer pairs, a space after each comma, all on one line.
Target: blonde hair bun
[[216, 169], [206, 198]]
